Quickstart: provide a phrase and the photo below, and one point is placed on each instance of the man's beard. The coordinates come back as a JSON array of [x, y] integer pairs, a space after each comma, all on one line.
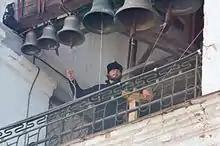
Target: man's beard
[[114, 80]]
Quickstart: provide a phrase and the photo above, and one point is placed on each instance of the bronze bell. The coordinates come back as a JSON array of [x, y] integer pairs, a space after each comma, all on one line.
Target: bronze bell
[[100, 19], [138, 13], [48, 40], [70, 34], [178, 7], [30, 45]]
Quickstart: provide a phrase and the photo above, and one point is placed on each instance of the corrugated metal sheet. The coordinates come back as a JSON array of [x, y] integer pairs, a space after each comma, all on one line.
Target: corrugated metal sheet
[[195, 125]]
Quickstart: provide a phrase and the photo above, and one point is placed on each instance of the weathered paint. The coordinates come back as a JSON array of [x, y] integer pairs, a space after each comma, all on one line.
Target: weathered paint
[[194, 124], [211, 52], [16, 77]]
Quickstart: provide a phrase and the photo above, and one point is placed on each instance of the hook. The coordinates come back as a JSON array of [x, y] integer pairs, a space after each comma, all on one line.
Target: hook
[[64, 8], [67, 10], [32, 28], [40, 16]]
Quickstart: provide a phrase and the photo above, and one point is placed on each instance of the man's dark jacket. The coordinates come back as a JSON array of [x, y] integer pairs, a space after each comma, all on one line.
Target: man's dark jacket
[[110, 108]]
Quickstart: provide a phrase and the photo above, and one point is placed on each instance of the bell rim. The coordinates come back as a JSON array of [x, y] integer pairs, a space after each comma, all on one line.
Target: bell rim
[[122, 9], [73, 30], [150, 24], [56, 43], [89, 13], [23, 48], [112, 30], [82, 37], [98, 11], [97, 31]]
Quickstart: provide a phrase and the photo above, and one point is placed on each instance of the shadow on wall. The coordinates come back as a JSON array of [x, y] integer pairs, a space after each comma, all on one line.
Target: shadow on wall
[[62, 94], [10, 39]]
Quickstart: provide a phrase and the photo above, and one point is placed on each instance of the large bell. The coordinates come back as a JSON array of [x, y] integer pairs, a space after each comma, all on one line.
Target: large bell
[[48, 40], [100, 19], [179, 7], [138, 13], [30, 45], [70, 34]]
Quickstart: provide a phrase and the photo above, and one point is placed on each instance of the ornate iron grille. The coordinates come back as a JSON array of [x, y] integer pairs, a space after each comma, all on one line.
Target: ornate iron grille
[[171, 84]]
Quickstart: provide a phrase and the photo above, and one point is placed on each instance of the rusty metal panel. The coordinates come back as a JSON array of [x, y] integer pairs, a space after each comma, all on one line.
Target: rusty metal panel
[[31, 10]]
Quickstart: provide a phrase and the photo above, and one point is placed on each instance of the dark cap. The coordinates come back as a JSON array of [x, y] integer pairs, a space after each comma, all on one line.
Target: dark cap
[[114, 65]]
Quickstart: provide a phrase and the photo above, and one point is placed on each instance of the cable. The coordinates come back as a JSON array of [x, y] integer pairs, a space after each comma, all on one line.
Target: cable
[[29, 97], [191, 43], [34, 62], [30, 91], [167, 17]]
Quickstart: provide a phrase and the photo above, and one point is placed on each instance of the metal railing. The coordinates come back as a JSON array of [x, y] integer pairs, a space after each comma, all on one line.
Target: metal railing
[[171, 84]]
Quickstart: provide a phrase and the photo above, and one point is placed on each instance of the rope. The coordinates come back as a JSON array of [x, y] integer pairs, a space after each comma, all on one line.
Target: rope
[[71, 94], [167, 17], [29, 99], [160, 34], [74, 82], [100, 55], [181, 55]]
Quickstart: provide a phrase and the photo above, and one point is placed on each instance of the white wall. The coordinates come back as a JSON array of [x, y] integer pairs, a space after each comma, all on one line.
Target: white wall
[[16, 77], [211, 55]]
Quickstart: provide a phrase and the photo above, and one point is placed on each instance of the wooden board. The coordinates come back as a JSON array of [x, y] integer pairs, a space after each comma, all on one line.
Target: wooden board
[[132, 99]]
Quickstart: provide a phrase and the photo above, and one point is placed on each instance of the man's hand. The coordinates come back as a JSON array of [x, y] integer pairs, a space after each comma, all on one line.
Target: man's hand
[[70, 75], [145, 95]]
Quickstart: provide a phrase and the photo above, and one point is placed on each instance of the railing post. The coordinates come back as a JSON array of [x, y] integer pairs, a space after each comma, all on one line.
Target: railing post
[[196, 70]]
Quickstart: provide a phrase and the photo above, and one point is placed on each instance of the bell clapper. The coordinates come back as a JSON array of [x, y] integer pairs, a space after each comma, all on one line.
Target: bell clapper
[[57, 51], [73, 50], [133, 28], [131, 40]]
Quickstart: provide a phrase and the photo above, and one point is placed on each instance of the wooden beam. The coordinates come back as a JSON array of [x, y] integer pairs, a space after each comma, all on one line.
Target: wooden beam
[[146, 54], [165, 40], [162, 44], [162, 47], [181, 47], [135, 68], [132, 52], [148, 65]]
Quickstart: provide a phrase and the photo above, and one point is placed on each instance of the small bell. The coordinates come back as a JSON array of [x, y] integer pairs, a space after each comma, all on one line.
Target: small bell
[[48, 40], [138, 13], [30, 45], [100, 19], [70, 34]]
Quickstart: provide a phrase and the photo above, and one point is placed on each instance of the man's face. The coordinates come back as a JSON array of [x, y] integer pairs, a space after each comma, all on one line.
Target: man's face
[[114, 74]]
